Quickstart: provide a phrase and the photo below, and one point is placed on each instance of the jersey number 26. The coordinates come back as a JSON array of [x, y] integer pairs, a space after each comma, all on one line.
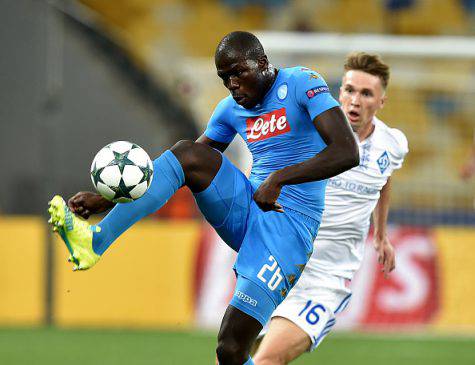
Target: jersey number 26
[[276, 277]]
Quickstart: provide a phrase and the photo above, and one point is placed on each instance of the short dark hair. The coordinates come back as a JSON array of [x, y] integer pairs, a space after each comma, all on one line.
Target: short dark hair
[[369, 63], [243, 43]]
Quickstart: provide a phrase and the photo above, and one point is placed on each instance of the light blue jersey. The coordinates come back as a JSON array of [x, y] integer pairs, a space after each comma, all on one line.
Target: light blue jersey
[[280, 132]]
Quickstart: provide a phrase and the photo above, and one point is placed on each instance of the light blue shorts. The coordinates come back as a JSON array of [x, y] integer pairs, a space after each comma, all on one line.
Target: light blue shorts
[[273, 248]]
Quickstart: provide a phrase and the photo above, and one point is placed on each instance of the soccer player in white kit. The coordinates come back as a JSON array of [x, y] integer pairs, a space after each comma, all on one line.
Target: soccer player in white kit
[[308, 313]]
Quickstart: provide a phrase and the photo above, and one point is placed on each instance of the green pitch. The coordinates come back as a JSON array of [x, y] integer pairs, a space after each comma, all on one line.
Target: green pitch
[[99, 347]]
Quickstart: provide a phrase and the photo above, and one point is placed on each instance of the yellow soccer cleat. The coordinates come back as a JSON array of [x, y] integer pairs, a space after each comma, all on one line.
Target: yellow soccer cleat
[[75, 232]]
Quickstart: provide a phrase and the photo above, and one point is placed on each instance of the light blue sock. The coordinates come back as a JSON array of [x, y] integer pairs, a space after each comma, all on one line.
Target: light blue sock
[[168, 177]]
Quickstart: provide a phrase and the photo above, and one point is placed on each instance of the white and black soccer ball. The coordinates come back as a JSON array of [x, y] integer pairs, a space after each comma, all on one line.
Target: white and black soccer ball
[[121, 172]]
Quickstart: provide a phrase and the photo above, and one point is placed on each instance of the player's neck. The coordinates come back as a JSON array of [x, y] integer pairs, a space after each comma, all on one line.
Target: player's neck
[[271, 77], [365, 132]]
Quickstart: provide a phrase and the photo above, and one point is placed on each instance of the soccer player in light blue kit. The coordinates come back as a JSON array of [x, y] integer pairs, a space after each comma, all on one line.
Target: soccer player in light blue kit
[[298, 137]]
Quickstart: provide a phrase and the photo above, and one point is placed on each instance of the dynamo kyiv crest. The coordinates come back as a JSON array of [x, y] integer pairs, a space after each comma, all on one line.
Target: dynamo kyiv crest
[[383, 162]]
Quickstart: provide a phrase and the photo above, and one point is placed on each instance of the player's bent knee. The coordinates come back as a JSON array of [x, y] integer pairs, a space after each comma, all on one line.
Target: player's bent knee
[[182, 148], [192, 155], [231, 353], [185, 152]]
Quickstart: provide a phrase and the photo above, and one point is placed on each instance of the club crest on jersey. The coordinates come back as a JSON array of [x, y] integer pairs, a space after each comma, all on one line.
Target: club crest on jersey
[[317, 90], [383, 162], [282, 92], [267, 125]]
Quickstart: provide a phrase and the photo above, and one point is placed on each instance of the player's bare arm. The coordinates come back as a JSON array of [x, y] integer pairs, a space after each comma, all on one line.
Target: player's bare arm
[[220, 146], [386, 254], [340, 155]]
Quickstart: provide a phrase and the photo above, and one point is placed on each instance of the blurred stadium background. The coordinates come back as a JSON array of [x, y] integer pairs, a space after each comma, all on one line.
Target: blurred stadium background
[[76, 75]]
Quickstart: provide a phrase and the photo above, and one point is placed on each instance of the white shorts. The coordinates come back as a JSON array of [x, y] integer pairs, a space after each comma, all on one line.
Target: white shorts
[[313, 303]]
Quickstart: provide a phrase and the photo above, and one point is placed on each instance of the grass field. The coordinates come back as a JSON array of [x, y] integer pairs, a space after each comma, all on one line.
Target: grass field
[[99, 347]]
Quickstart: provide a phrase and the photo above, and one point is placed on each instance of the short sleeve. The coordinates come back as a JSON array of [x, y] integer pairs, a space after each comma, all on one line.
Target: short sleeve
[[399, 148], [219, 129], [312, 92]]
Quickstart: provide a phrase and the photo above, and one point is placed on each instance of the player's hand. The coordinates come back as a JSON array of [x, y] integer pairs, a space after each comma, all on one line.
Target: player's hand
[[86, 203], [386, 255], [267, 194]]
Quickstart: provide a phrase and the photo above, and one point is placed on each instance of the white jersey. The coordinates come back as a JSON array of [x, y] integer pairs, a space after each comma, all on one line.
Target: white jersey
[[350, 199]]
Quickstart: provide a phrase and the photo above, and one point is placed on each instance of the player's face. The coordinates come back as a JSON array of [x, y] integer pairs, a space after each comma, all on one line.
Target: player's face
[[243, 78], [361, 96]]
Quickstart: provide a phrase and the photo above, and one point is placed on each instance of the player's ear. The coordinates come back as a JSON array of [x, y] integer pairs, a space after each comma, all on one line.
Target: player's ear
[[383, 101], [340, 95], [383, 98], [263, 63]]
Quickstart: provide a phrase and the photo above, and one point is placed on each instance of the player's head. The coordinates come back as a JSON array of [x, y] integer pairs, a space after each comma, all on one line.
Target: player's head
[[243, 66], [363, 88]]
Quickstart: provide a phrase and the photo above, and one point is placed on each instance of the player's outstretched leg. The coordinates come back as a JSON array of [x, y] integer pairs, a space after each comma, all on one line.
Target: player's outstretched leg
[[75, 232], [186, 163], [236, 336]]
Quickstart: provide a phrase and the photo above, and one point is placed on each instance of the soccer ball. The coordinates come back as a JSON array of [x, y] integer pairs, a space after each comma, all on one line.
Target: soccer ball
[[121, 172]]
